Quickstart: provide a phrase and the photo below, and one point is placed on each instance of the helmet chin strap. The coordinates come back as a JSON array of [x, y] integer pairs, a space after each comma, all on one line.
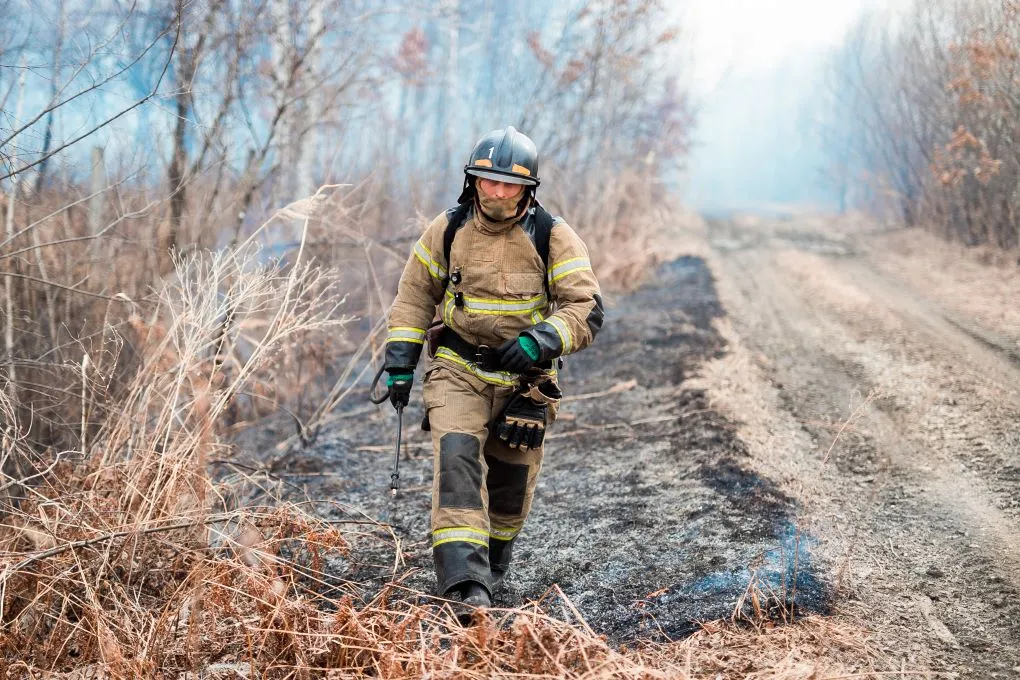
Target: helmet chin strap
[[523, 203], [469, 192]]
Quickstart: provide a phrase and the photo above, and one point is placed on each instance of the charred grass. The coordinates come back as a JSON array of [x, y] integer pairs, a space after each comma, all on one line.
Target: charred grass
[[147, 549]]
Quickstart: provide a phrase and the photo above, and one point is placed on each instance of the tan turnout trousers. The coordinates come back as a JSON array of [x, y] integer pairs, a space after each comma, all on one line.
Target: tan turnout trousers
[[489, 285], [482, 489]]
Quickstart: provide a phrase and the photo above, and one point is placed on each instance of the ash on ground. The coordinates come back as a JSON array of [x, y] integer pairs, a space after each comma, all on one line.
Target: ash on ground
[[648, 516]]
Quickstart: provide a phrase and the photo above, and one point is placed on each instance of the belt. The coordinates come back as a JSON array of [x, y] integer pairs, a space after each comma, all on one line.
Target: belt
[[487, 358]]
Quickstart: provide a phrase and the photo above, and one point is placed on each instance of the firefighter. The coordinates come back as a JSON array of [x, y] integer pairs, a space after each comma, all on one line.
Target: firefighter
[[514, 291]]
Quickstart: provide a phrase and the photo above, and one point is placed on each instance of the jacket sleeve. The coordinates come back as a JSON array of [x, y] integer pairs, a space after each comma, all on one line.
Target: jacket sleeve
[[419, 291], [578, 311]]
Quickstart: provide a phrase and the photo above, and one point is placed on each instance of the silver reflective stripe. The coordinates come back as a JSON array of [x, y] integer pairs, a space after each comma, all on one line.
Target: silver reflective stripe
[[504, 534], [424, 255], [507, 307], [416, 335], [561, 269], [448, 311], [459, 534], [563, 332]]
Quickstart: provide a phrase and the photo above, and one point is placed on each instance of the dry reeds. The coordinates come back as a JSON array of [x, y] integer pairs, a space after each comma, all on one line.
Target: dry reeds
[[126, 558], [106, 537]]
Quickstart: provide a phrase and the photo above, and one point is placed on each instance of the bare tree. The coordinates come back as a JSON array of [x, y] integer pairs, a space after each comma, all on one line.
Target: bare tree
[[924, 118]]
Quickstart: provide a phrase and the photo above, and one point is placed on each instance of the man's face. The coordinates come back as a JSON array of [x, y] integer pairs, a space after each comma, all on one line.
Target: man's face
[[499, 190]]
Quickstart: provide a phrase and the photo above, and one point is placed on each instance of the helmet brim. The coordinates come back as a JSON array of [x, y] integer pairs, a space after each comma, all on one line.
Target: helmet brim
[[497, 176]]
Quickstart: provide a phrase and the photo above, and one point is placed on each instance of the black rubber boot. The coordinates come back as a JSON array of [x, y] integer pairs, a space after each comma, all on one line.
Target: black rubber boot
[[459, 563], [472, 596], [475, 595], [500, 554]]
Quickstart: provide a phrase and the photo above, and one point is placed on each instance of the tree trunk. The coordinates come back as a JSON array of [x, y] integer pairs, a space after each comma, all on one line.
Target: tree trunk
[[307, 170], [98, 181], [176, 179], [55, 78], [10, 262]]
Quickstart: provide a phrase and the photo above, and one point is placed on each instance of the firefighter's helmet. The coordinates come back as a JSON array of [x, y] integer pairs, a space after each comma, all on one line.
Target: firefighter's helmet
[[504, 156]]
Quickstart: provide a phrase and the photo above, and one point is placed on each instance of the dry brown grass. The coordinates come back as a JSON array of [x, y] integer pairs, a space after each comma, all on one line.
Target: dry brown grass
[[981, 283], [93, 549], [127, 558]]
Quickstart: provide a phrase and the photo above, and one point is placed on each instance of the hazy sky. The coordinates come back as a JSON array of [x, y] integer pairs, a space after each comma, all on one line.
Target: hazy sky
[[750, 35], [755, 66]]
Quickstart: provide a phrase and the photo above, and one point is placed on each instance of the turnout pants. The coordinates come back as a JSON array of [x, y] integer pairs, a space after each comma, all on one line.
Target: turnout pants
[[481, 488]]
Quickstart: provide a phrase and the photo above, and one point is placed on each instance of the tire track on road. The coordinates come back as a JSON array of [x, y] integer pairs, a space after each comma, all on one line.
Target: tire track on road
[[933, 528]]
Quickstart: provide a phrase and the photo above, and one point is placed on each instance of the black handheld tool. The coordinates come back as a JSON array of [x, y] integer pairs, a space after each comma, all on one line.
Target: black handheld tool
[[395, 475]]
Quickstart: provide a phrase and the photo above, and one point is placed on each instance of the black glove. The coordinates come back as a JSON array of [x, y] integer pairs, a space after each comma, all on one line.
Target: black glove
[[523, 423], [399, 384], [519, 354]]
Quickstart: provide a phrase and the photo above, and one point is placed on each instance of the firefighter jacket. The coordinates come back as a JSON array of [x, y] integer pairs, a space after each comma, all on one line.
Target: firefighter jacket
[[494, 288]]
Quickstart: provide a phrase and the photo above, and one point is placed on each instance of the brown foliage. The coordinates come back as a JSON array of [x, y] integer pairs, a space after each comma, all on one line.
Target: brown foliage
[[936, 109], [412, 56]]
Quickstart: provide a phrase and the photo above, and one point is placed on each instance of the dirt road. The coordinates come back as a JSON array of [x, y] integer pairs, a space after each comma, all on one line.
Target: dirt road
[[921, 488], [774, 412]]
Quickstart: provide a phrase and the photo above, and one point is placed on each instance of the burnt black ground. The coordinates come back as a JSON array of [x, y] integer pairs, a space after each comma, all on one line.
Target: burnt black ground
[[647, 516]]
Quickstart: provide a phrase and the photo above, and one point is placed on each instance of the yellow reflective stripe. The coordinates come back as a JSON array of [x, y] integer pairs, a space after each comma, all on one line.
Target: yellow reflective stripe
[[448, 311], [575, 270], [436, 544], [503, 534], [424, 256], [459, 531], [575, 264], [501, 378], [472, 535], [465, 534], [406, 334], [558, 266], [562, 331], [501, 307], [500, 301]]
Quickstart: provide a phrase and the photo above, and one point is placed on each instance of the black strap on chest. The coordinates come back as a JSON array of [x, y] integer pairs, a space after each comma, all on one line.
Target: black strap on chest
[[538, 224]]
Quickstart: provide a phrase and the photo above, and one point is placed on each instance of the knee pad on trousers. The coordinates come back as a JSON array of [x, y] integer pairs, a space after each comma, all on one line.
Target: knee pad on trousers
[[508, 485], [460, 471]]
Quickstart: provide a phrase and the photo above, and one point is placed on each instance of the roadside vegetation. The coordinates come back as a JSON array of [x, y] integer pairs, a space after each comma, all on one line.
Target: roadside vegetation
[[205, 207], [924, 113]]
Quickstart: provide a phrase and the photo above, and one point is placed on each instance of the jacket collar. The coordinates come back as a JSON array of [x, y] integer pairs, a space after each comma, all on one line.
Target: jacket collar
[[493, 227]]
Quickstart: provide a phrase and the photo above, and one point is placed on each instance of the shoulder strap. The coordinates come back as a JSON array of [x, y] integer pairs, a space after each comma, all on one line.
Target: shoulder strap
[[455, 218], [544, 223]]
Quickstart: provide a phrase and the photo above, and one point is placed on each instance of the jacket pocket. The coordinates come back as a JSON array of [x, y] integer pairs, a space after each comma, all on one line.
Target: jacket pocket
[[434, 391], [525, 284]]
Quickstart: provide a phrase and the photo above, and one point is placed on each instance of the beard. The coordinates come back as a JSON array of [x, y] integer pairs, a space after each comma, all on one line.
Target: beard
[[499, 209]]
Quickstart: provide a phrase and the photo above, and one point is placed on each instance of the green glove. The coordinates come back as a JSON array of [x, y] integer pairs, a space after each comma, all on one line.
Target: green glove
[[530, 346], [400, 388], [399, 377]]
